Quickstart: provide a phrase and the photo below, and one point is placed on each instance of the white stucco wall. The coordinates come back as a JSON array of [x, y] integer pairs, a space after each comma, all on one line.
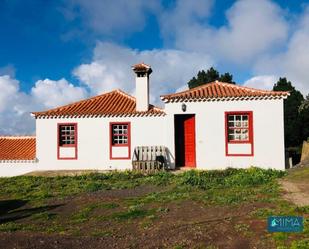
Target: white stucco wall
[[94, 141], [16, 168], [268, 131], [94, 137]]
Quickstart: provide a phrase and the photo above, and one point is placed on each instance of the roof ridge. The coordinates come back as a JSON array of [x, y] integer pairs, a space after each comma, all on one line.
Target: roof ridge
[[209, 84], [195, 88], [79, 101], [17, 136], [125, 93], [222, 90], [134, 98], [103, 104], [248, 88]]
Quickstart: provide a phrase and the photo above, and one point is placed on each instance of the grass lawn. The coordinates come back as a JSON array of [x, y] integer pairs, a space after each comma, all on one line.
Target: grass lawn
[[194, 209]]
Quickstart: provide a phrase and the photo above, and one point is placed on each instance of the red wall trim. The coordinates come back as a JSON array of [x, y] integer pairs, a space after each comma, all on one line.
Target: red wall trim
[[119, 145], [251, 137], [67, 145]]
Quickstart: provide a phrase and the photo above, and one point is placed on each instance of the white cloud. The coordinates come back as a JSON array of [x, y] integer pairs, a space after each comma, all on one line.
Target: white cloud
[[16, 106], [265, 82], [181, 21], [253, 27], [182, 88], [8, 90], [98, 77], [50, 93], [112, 18], [13, 108], [292, 63], [111, 68]]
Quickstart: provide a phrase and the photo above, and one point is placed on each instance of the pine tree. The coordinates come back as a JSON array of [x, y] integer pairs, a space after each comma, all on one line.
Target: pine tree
[[209, 76], [292, 118], [304, 115]]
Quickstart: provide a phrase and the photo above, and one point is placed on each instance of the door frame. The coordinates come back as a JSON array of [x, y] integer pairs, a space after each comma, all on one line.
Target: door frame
[[175, 145]]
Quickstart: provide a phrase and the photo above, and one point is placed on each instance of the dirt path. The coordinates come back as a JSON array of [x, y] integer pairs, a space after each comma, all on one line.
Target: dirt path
[[296, 192]]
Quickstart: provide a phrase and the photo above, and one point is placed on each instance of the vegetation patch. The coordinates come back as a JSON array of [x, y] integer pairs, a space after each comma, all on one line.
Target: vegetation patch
[[131, 214], [246, 197]]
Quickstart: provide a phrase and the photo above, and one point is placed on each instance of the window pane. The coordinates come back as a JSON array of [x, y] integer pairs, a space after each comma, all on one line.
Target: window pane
[[231, 117], [66, 134], [120, 132], [231, 124], [231, 137], [238, 127]]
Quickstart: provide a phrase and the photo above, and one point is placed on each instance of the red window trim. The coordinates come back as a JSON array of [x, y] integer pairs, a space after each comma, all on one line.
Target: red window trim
[[250, 141], [119, 145], [67, 145]]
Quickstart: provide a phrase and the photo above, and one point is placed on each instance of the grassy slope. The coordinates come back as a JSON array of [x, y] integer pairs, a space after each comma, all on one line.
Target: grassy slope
[[230, 188]]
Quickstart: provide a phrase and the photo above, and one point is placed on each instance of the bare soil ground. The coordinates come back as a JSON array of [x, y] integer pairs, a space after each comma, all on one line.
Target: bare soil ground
[[152, 216], [186, 224]]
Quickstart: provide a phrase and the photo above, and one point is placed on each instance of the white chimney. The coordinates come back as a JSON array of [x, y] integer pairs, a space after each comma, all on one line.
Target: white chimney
[[142, 72]]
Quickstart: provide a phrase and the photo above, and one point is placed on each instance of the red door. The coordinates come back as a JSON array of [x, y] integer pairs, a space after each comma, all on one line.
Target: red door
[[189, 141], [185, 140]]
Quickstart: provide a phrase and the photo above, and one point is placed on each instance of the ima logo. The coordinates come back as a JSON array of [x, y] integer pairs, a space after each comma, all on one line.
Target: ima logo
[[285, 224]]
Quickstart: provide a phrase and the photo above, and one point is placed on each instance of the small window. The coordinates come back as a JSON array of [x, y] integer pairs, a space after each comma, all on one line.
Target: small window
[[120, 134], [238, 128], [67, 135]]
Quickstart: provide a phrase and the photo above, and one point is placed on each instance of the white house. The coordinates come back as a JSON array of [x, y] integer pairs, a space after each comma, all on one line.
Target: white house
[[214, 126]]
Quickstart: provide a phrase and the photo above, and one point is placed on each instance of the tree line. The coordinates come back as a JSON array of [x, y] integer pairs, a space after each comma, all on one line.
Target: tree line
[[296, 107]]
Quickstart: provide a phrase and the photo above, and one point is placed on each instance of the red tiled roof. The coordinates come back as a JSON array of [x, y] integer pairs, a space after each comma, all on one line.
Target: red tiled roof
[[221, 90], [115, 103], [17, 148]]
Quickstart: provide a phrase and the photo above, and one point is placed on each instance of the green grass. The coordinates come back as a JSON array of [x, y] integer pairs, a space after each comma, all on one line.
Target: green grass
[[41, 188], [131, 214], [300, 244], [110, 205], [13, 226], [44, 216], [229, 187], [83, 214]]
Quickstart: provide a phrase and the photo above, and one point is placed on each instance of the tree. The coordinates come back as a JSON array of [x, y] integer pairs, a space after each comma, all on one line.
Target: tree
[[227, 78], [292, 118], [304, 116], [209, 76]]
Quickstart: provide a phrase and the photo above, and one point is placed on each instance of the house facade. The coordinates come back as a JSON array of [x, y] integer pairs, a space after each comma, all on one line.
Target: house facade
[[214, 126]]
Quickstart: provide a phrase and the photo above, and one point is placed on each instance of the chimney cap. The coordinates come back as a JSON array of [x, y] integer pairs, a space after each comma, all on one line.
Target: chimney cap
[[142, 67]]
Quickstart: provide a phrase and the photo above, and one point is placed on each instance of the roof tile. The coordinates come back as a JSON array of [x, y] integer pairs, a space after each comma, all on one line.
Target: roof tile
[[17, 148], [221, 90], [115, 103]]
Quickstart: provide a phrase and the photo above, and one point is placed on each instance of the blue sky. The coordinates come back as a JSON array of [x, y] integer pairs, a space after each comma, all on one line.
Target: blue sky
[[55, 52]]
